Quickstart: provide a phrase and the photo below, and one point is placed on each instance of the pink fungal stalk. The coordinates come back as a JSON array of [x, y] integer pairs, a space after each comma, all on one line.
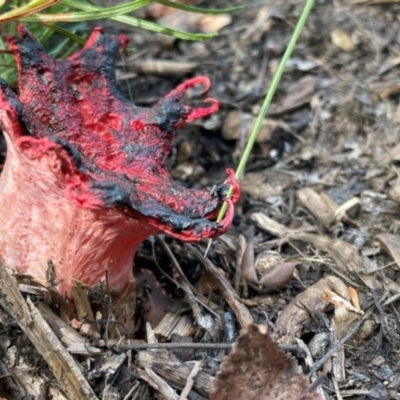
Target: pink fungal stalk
[[85, 180]]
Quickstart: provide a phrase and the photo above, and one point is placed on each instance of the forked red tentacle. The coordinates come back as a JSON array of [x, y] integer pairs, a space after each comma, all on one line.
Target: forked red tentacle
[[180, 90], [233, 181], [193, 113], [196, 113]]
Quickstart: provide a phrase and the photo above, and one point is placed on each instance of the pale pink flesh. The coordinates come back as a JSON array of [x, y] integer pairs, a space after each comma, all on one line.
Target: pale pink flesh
[[38, 224]]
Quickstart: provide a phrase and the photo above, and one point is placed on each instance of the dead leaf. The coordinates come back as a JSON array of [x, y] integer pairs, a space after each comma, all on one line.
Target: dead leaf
[[298, 95], [257, 369], [247, 265], [278, 277], [291, 320], [268, 273]]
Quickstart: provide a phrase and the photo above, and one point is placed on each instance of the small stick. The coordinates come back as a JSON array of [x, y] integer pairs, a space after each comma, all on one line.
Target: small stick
[[334, 348], [157, 383], [190, 381], [242, 313], [201, 346]]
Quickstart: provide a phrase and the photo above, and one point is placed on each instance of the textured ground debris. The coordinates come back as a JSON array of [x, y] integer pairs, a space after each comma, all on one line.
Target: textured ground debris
[[321, 191], [258, 369]]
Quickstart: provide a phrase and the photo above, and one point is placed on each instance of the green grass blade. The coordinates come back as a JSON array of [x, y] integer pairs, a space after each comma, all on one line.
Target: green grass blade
[[143, 24], [96, 13], [28, 9], [154, 27], [268, 98], [199, 10], [64, 32]]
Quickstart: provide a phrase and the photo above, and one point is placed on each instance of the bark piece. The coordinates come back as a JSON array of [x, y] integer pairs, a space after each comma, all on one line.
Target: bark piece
[[84, 311], [175, 372], [182, 325], [320, 206], [165, 391], [69, 337], [298, 312]]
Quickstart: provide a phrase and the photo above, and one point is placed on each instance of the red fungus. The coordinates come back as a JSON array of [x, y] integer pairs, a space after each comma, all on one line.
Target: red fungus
[[85, 180]]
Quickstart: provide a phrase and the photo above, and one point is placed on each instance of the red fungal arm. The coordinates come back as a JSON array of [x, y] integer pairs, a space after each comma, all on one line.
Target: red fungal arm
[[112, 153], [191, 113]]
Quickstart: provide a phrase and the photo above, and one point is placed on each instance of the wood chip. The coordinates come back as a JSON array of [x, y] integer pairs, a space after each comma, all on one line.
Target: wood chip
[[174, 371], [190, 381], [391, 243], [320, 206], [84, 311], [291, 320], [35, 327], [158, 384], [182, 325], [162, 67], [70, 338]]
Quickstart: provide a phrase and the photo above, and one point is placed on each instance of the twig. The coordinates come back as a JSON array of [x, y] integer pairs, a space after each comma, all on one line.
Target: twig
[[185, 284], [190, 381], [157, 383], [201, 346], [313, 387], [339, 343], [27, 315], [242, 313]]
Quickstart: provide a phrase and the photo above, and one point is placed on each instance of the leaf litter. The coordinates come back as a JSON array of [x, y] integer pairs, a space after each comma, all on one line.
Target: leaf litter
[[320, 193]]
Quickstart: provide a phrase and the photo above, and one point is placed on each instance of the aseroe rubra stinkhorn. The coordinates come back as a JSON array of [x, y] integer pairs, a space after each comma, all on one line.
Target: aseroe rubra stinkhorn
[[85, 180]]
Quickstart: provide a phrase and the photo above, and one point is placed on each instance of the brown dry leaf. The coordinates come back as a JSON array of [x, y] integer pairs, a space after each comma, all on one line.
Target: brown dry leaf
[[257, 369], [277, 277], [291, 320], [247, 265], [298, 95], [269, 273], [207, 284]]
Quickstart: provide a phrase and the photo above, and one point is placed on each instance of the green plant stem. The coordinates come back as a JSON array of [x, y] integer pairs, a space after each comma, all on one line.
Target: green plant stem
[[268, 99]]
